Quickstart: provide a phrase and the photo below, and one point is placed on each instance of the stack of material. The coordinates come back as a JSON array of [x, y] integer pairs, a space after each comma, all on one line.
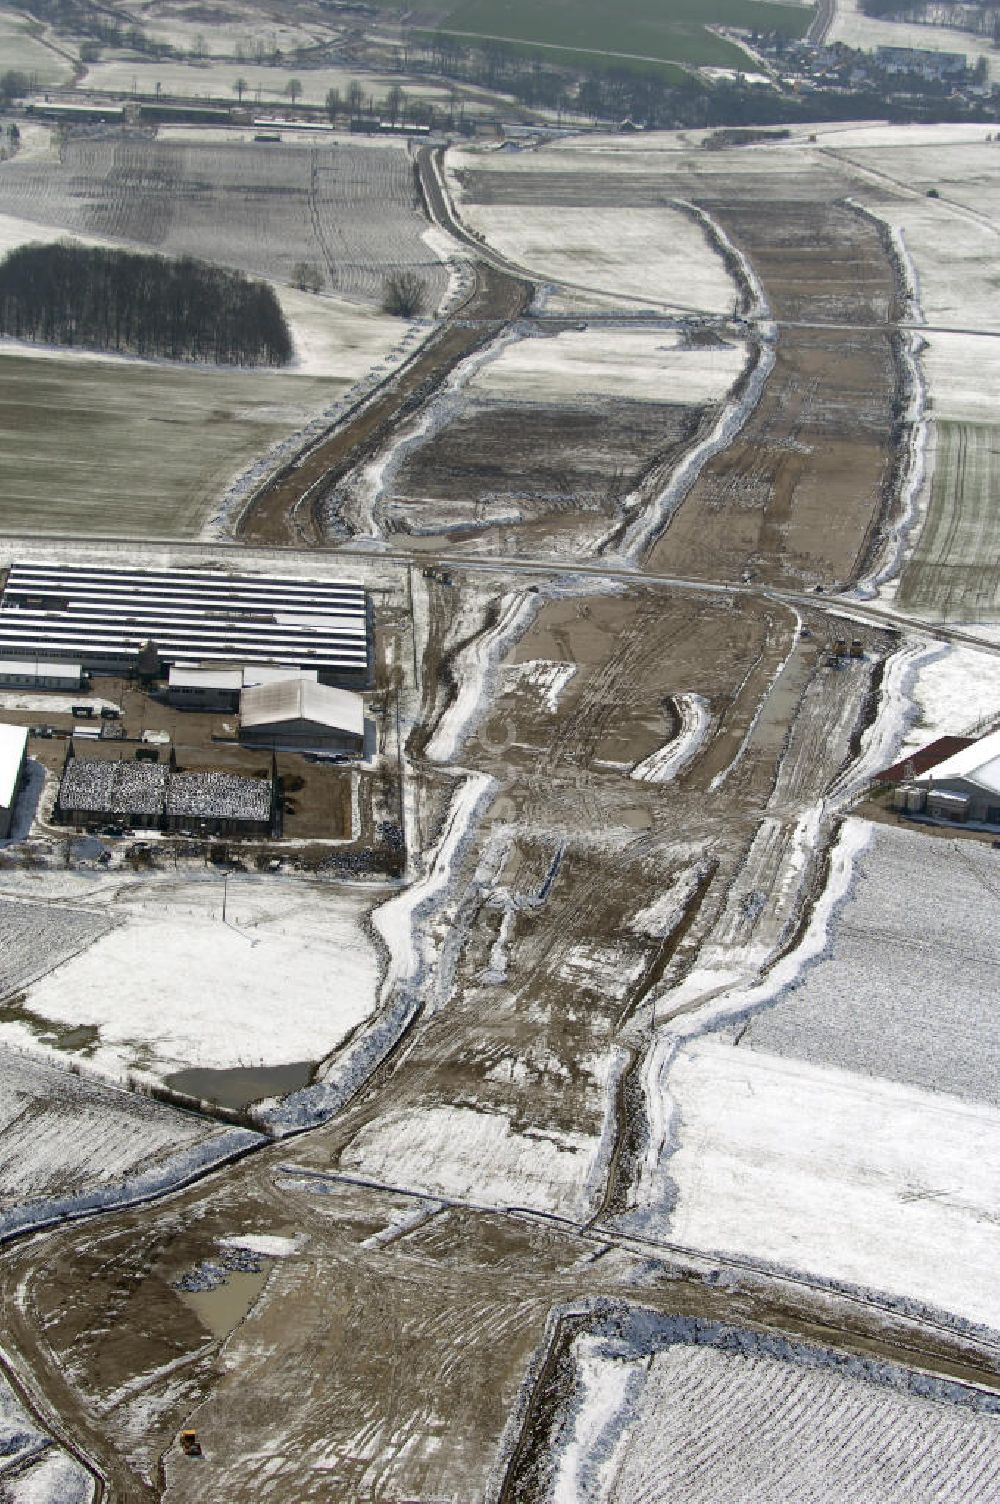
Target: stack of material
[[130, 789], [218, 796]]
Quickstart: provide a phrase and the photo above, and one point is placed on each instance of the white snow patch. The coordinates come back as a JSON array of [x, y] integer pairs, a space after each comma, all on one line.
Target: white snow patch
[[655, 257], [955, 689], [466, 1154], [546, 676], [670, 759], [882, 1185], [654, 365], [282, 978], [269, 1245]]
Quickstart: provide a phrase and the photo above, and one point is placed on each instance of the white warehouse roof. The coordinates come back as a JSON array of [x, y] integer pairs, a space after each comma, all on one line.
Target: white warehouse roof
[[978, 764], [218, 676], [13, 741], [303, 700], [183, 677], [40, 668]]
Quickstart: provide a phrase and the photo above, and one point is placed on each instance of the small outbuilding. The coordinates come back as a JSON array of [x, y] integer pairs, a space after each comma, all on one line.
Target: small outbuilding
[[299, 715], [13, 755], [204, 688], [35, 673], [218, 686], [962, 788]]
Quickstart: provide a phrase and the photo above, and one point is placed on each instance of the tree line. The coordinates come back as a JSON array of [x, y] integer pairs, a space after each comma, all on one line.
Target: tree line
[[135, 304]]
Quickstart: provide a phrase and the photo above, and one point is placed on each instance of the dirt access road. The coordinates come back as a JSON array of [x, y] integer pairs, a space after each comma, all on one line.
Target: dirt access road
[[284, 511]]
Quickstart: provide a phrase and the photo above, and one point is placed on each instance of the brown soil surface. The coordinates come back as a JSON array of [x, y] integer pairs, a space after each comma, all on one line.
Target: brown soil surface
[[550, 467], [797, 498], [285, 510]]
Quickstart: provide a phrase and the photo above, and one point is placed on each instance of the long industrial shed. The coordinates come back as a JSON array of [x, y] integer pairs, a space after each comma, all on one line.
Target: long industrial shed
[[103, 617]]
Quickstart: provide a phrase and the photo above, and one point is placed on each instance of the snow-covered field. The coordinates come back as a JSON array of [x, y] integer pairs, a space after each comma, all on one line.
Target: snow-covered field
[[954, 690], [884, 1186], [740, 1418], [955, 259], [656, 365], [62, 1134], [478, 1156], [33, 1470], [902, 992], [36, 937], [348, 210], [229, 416], [22, 49], [653, 257], [281, 978], [852, 27], [215, 79]]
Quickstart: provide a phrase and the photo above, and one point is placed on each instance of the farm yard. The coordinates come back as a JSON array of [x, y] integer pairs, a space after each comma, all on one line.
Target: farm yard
[[641, 1133], [851, 26]]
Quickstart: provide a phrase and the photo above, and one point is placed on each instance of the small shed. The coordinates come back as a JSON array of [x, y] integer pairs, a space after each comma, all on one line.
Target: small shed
[[35, 673], [299, 715], [13, 754], [199, 688]]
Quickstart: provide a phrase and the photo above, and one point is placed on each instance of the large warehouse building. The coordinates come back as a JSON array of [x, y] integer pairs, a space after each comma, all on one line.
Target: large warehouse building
[[102, 619]]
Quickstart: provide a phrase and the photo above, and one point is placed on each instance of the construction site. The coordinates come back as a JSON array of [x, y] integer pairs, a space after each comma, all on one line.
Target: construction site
[[569, 1085]]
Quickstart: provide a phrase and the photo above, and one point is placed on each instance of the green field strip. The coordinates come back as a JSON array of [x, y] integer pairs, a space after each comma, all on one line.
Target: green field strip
[[953, 572], [638, 30]]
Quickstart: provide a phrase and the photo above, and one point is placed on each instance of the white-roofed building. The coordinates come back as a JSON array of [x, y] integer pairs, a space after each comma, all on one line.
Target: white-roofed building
[[195, 688], [300, 715], [34, 673], [965, 786], [13, 754], [217, 686]]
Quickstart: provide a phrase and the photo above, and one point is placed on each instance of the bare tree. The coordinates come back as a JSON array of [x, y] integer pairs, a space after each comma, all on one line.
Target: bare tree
[[333, 103], [394, 103], [240, 87], [355, 95], [403, 294], [293, 89]]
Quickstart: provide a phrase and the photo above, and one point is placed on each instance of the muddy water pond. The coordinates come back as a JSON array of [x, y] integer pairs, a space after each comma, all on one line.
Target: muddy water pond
[[241, 1085], [223, 1307]]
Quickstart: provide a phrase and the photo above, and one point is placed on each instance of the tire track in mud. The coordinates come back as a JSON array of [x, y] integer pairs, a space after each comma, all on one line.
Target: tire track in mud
[[284, 511]]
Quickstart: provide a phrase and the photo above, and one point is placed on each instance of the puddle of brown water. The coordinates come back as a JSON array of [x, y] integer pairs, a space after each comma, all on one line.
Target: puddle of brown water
[[223, 1308], [243, 1084]]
